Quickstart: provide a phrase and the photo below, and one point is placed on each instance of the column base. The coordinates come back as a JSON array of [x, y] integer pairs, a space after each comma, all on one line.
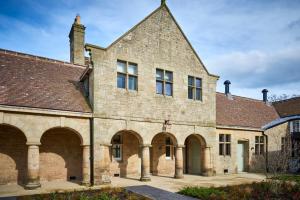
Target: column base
[[85, 183], [32, 186], [145, 179], [178, 176], [209, 172]]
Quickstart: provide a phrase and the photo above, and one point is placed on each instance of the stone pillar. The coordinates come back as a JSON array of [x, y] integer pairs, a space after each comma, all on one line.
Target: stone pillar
[[33, 167], [86, 165], [208, 169], [145, 167], [179, 162], [102, 162]]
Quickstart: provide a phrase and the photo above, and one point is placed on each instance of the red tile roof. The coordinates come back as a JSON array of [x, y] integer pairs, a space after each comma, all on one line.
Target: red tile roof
[[288, 107], [31, 81], [243, 112]]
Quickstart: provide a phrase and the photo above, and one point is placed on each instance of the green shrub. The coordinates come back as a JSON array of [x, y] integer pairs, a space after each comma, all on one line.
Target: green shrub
[[202, 193]]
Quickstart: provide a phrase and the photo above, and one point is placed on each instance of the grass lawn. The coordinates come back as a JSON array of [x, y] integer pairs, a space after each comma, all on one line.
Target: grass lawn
[[103, 194], [263, 190]]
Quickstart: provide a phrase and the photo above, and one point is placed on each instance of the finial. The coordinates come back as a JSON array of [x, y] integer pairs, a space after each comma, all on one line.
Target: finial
[[163, 2]]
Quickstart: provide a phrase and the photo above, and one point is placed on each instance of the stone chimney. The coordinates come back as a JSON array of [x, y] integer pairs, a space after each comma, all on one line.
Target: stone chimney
[[265, 95], [76, 36]]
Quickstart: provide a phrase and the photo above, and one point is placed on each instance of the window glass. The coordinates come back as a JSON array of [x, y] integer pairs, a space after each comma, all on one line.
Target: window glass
[[227, 138], [256, 139], [262, 139], [117, 151], [198, 93], [221, 149], [261, 149], [132, 83], [168, 151], [169, 76], [228, 149], [198, 82], [169, 89], [132, 69], [191, 80], [190, 93], [121, 66], [168, 141], [121, 80], [159, 74], [159, 87], [221, 137]]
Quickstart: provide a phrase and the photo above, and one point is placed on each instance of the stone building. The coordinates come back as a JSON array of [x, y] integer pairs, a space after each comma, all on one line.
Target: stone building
[[144, 105]]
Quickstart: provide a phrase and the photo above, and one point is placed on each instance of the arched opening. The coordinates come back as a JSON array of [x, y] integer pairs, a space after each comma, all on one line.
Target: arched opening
[[61, 155], [162, 155], [125, 154], [13, 155], [194, 155]]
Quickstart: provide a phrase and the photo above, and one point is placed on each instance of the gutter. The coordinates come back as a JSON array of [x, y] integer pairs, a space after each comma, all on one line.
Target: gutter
[[267, 156]]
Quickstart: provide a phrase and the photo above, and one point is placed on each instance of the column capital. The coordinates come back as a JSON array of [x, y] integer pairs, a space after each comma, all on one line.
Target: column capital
[[180, 146], [145, 145], [33, 143], [85, 145], [106, 144]]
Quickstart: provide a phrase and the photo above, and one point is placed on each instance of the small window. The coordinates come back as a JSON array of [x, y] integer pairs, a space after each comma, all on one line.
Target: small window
[[225, 144], [164, 82], [259, 145], [168, 148], [194, 88], [127, 77], [117, 147]]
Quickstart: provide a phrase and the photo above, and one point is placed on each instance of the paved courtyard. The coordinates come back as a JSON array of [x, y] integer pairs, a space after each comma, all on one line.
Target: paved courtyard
[[166, 183]]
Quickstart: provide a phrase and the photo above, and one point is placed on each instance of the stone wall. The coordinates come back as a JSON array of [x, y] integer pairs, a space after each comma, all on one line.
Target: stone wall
[[60, 156], [13, 155]]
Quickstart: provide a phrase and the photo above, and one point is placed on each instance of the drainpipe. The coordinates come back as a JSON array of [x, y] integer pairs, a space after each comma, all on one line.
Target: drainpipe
[[92, 150], [267, 159]]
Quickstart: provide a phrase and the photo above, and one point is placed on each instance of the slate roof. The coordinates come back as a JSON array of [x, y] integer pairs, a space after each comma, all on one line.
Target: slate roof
[[243, 112], [288, 107], [37, 82]]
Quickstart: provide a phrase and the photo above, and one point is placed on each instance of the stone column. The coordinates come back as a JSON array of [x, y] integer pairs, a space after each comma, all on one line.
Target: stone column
[[208, 169], [102, 162], [33, 167], [86, 165], [145, 167], [179, 162]]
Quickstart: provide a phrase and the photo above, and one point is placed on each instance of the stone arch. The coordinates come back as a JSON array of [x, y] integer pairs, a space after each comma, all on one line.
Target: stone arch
[[13, 155], [194, 154], [125, 154], [162, 154], [61, 155]]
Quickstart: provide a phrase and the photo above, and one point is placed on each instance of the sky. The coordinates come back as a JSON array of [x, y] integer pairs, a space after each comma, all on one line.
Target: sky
[[254, 44]]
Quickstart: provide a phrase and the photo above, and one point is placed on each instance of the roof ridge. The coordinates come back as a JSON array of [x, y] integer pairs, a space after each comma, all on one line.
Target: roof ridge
[[242, 97], [289, 99], [41, 58]]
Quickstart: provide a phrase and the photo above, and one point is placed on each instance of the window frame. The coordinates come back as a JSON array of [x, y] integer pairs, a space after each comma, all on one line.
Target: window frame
[[195, 88], [259, 147], [127, 75], [169, 145], [120, 146], [223, 144], [164, 82]]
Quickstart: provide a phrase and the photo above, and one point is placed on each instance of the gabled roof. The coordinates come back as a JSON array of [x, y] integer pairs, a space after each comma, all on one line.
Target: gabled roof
[[288, 107], [243, 112], [151, 14], [37, 82]]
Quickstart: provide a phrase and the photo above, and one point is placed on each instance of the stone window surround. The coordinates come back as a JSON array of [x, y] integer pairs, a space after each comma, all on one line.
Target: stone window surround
[[164, 82], [223, 144], [194, 88], [127, 74]]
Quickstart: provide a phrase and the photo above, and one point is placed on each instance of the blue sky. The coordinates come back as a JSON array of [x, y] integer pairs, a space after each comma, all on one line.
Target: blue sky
[[254, 44]]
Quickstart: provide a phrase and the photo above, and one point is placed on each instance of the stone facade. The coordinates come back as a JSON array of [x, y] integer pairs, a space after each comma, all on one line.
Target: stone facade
[[43, 145]]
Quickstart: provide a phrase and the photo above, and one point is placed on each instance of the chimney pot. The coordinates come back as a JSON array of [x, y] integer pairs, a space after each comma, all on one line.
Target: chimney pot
[[265, 95], [227, 90], [77, 19]]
